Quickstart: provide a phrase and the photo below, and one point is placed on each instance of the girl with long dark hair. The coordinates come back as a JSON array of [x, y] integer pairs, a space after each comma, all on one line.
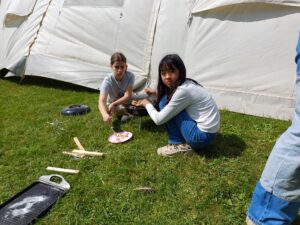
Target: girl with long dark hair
[[189, 113]]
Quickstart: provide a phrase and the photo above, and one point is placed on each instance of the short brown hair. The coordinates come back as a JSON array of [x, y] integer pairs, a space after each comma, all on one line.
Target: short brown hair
[[117, 57]]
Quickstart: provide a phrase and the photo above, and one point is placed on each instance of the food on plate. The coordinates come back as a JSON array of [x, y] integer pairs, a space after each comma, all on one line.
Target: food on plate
[[136, 102], [120, 137]]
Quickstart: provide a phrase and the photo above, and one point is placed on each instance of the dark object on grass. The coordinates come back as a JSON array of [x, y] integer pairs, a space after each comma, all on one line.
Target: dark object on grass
[[33, 201], [136, 110], [74, 110]]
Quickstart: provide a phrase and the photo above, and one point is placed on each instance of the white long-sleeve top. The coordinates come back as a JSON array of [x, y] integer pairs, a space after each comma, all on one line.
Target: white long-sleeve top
[[199, 105]]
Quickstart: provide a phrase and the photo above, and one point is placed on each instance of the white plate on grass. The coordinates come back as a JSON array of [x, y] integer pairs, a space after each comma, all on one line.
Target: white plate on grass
[[120, 137]]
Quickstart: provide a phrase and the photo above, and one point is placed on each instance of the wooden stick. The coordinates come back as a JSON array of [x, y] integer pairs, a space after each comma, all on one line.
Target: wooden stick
[[145, 189], [62, 170], [73, 154], [77, 142], [76, 151]]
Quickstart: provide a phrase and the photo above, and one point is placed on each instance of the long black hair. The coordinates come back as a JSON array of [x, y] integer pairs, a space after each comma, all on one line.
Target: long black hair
[[170, 62]]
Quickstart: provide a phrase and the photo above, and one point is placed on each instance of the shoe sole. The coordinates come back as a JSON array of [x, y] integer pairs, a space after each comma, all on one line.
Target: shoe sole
[[181, 152]]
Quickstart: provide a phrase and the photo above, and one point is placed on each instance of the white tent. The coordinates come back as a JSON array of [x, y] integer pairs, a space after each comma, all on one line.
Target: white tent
[[242, 51]]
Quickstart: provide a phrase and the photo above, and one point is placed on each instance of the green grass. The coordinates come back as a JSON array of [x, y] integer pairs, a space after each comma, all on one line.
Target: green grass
[[211, 187]]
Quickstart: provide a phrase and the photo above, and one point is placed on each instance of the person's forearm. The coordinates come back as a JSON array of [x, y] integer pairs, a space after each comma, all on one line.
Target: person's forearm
[[102, 109], [122, 100], [150, 91]]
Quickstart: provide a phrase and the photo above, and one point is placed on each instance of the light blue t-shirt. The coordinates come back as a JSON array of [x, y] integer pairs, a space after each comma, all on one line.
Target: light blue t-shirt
[[116, 89]]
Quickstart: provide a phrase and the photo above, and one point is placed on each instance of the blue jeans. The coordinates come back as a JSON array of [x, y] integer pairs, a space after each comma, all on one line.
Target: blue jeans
[[277, 195], [267, 209], [183, 129]]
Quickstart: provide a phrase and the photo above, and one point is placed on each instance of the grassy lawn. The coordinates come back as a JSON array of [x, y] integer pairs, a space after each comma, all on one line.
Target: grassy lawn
[[211, 187]]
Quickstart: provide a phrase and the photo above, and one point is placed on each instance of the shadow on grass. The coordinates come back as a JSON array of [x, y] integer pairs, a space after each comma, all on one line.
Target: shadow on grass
[[228, 145], [46, 82], [148, 124]]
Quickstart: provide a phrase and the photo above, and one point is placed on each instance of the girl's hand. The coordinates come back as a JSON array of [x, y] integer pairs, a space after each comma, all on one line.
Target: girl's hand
[[136, 102], [150, 91], [144, 102], [107, 118], [140, 102]]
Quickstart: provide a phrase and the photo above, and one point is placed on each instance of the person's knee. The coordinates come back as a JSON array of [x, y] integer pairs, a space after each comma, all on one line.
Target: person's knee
[[120, 110]]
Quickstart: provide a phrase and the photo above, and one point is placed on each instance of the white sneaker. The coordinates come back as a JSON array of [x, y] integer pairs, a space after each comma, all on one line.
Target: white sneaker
[[249, 221], [172, 149]]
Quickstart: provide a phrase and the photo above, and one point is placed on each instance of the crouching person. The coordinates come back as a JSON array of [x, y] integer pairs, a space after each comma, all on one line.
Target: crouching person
[[116, 90], [189, 113]]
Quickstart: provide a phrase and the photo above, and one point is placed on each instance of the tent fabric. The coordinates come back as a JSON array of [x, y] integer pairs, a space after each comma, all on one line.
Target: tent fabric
[[97, 32], [17, 9], [95, 3], [17, 38], [249, 62], [204, 5], [20, 8], [242, 53]]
